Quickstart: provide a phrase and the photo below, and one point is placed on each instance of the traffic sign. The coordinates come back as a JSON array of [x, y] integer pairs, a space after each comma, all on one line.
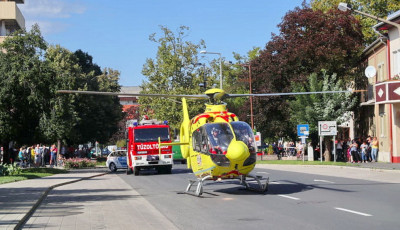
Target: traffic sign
[[303, 130], [327, 128]]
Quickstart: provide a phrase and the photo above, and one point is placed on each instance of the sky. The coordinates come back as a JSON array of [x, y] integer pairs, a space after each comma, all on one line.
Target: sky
[[116, 33]]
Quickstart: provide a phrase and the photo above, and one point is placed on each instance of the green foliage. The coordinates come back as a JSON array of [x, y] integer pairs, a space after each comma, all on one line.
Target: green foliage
[[379, 8], [173, 71], [30, 109], [121, 143], [31, 173], [9, 169], [78, 163], [309, 109], [308, 42]]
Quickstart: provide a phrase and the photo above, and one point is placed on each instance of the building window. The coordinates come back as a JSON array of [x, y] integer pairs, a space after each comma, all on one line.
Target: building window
[[396, 62], [381, 72], [382, 116]]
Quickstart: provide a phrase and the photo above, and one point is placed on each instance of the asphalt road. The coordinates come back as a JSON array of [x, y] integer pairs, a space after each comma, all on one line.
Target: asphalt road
[[294, 201]]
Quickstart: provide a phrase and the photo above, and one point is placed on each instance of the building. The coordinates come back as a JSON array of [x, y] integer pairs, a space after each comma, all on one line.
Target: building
[[11, 18], [129, 103], [382, 101]]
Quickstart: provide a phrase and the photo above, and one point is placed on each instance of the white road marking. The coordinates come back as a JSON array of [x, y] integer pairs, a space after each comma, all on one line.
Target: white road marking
[[326, 181], [354, 212], [290, 197]]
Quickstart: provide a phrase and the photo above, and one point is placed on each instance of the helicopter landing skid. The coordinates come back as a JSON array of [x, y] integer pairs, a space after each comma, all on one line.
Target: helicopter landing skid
[[261, 187], [199, 188]]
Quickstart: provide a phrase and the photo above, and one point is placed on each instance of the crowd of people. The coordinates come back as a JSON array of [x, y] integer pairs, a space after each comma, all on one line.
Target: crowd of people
[[358, 150], [42, 155], [37, 156]]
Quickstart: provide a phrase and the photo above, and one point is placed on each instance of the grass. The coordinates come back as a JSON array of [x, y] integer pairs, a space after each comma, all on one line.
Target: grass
[[300, 162], [31, 173]]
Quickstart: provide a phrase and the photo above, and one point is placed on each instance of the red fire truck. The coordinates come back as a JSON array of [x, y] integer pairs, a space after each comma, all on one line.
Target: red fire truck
[[143, 151]]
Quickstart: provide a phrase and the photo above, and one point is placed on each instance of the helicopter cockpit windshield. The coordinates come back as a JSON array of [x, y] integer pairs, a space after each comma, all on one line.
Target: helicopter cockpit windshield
[[244, 133], [214, 138], [219, 136]]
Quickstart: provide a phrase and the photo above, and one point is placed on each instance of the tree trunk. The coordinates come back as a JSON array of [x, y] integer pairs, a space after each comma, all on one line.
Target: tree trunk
[[328, 149]]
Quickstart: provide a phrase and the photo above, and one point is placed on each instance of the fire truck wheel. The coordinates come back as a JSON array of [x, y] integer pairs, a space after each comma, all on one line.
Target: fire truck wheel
[[113, 168], [136, 171], [128, 171]]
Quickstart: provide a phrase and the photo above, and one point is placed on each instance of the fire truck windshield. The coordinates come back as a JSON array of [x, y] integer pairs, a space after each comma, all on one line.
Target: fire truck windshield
[[151, 134]]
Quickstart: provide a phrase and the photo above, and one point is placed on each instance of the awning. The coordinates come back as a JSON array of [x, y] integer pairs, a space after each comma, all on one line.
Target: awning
[[369, 102]]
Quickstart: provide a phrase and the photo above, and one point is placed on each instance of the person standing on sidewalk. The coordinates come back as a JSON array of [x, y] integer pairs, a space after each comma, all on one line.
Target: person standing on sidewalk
[[53, 155], [374, 149]]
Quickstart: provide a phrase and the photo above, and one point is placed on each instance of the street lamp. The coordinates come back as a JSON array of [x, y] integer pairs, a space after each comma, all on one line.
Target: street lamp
[[220, 65], [344, 7], [251, 97]]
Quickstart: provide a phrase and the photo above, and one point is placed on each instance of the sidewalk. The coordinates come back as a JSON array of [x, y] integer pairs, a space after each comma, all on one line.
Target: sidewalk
[[101, 202], [380, 172]]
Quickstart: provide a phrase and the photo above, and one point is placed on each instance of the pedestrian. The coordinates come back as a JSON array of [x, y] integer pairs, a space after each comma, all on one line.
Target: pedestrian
[[38, 155], [374, 149], [354, 152], [21, 156], [339, 150], [364, 149], [53, 155]]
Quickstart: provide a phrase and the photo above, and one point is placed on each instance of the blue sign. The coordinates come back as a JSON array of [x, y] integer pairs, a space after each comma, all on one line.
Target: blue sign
[[303, 130]]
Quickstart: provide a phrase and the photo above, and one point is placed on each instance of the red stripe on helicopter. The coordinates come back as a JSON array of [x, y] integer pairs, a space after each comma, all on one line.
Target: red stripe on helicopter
[[204, 115]]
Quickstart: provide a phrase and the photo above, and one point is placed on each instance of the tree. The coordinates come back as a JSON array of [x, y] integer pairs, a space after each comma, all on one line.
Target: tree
[[380, 8], [173, 71], [23, 84], [60, 117], [309, 109], [308, 42]]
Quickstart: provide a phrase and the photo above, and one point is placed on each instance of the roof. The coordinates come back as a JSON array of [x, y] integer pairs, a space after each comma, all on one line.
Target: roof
[[394, 17], [130, 89]]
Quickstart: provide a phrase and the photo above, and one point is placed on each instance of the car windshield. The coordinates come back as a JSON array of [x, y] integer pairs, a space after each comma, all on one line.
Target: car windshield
[[151, 134], [219, 135], [244, 133]]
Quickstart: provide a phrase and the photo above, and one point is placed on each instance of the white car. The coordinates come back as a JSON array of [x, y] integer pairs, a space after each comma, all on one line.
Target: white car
[[116, 160]]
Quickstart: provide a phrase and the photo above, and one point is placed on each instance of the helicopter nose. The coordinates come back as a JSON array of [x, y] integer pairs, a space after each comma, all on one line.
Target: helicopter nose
[[237, 151]]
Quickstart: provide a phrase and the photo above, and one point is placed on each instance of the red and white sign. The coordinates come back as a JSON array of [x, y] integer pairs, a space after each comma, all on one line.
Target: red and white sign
[[387, 92], [327, 128]]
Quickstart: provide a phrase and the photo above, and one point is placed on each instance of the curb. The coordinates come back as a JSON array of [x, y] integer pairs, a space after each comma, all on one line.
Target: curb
[[28, 215]]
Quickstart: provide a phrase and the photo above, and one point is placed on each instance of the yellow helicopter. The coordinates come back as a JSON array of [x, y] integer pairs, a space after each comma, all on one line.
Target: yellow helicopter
[[215, 143]]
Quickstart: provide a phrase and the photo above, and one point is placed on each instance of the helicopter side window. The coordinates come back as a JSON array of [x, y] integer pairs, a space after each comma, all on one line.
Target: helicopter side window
[[196, 137]]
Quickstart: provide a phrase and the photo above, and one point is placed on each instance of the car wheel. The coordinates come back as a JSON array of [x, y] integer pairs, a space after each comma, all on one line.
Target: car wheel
[[128, 171], [113, 167], [136, 171]]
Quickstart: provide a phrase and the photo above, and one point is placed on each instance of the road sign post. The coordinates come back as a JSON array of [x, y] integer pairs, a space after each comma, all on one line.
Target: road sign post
[[327, 128]]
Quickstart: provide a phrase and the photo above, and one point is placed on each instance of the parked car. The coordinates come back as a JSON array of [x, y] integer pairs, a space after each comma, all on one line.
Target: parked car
[[116, 160]]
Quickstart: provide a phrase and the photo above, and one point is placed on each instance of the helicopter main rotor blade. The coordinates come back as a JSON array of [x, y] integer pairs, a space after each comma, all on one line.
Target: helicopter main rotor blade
[[132, 94], [288, 94]]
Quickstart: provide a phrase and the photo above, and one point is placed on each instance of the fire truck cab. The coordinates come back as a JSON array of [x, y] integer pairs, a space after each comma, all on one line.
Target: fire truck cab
[[143, 151]]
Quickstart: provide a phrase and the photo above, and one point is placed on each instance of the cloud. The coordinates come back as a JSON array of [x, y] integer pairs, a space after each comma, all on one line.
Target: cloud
[[47, 27], [51, 8], [49, 14]]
